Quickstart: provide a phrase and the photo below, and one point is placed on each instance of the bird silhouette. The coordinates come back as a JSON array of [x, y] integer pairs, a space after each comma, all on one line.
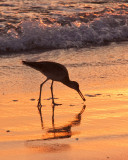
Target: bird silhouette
[[55, 72]]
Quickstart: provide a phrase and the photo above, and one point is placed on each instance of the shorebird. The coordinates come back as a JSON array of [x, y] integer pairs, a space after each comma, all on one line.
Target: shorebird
[[55, 72]]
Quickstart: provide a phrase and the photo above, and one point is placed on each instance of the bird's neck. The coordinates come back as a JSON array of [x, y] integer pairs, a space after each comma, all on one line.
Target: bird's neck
[[68, 83]]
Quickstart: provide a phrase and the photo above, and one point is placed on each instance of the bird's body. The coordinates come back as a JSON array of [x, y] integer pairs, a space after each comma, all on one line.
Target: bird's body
[[55, 72], [51, 70]]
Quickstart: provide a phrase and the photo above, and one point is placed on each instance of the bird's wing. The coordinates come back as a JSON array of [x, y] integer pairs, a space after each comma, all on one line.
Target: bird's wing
[[54, 71]]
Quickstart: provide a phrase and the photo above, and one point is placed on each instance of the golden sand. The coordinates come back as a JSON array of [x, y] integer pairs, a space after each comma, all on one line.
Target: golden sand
[[94, 130]]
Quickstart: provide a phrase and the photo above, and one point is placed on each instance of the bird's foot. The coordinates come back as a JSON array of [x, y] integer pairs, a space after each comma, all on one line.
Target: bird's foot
[[56, 104]]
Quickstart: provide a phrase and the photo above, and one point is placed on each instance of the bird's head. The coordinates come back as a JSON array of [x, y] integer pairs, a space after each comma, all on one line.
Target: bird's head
[[75, 86]]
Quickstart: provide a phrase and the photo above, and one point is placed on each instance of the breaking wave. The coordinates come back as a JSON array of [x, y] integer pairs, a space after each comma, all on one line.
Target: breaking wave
[[30, 35]]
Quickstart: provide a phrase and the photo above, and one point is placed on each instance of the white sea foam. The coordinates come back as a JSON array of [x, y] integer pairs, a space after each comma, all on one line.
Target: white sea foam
[[38, 35]]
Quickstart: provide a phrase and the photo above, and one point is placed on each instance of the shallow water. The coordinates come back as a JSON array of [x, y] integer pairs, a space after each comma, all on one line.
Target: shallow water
[[73, 130], [99, 75]]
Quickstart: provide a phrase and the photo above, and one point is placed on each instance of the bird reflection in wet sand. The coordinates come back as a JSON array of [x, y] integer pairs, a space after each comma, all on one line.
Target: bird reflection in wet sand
[[41, 118], [64, 131]]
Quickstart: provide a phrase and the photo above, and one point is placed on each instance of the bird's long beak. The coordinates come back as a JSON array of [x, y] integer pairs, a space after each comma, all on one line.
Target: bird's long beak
[[81, 95]]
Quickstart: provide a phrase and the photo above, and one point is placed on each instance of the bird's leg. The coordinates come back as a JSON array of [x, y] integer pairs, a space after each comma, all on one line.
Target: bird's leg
[[53, 96], [39, 100]]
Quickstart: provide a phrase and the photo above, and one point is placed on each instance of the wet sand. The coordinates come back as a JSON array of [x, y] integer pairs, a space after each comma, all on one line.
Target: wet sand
[[98, 131], [94, 130]]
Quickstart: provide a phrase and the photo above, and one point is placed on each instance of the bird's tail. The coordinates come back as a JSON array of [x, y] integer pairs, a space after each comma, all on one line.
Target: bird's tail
[[24, 62], [34, 65], [30, 64]]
